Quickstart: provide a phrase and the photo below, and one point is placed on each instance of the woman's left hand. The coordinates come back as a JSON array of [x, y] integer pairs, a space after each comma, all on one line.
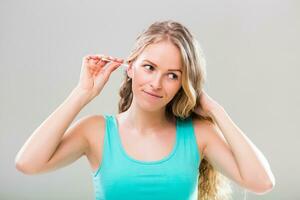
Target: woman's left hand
[[207, 105]]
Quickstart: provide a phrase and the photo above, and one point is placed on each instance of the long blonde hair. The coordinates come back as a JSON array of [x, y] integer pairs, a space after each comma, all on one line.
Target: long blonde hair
[[212, 185]]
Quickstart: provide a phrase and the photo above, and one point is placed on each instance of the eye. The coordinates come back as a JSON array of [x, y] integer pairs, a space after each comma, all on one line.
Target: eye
[[175, 77], [148, 66]]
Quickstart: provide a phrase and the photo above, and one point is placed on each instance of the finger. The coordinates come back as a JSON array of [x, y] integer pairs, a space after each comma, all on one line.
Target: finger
[[90, 61], [100, 62], [120, 60], [112, 67], [97, 59], [101, 56], [107, 71], [90, 57], [110, 58], [86, 58], [101, 65], [97, 56]]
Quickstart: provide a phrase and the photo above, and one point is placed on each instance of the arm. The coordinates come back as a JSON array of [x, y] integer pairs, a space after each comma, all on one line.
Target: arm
[[49, 147], [235, 155], [45, 140]]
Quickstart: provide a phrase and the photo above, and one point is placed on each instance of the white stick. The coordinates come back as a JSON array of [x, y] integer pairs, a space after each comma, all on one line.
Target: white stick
[[106, 59]]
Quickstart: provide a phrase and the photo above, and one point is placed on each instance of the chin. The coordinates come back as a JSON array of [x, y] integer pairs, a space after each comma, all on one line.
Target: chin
[[150, 105], [147, 106]]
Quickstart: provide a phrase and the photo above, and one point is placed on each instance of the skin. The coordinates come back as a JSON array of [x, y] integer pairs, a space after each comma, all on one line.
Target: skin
[[144, 125], [146, 112]]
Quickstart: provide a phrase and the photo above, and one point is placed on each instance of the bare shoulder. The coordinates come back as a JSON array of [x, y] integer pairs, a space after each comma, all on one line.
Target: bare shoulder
[[74, 143], [92, 121], [207, 132], [202, 130], [94, 134], [94, 126]]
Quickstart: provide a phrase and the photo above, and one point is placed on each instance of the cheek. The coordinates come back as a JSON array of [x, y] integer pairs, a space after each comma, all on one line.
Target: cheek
[[139, 80], [175, 89], [170, 89], [141, 77]]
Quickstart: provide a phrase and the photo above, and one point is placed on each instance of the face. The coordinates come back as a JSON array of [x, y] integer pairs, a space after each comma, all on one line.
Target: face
[[156, 75]]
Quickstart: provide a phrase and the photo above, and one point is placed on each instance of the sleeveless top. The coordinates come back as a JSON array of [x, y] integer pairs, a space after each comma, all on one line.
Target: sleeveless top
[[175, 177]]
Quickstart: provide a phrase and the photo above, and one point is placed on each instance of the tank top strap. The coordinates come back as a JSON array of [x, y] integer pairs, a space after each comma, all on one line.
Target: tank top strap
[[187, 141], [185, 149], [110, 148], [111, 139], [174, 177]]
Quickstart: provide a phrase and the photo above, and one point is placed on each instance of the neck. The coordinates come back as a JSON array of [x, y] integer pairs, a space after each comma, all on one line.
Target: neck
[[144, 122]]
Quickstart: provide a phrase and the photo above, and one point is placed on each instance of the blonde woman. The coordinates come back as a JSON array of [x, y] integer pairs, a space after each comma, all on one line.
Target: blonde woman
[[170, 140]]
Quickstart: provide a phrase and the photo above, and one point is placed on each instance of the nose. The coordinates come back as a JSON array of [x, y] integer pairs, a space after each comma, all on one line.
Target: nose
[[156, 82]]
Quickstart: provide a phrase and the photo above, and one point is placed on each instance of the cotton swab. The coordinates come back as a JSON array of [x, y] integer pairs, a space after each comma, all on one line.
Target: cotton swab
[[106, 59]]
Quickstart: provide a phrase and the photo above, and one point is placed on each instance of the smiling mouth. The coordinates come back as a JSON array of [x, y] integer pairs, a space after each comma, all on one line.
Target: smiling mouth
[[154, 95]]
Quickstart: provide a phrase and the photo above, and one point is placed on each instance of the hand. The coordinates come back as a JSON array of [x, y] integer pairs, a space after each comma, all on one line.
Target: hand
[[95, 72], [207, 105]]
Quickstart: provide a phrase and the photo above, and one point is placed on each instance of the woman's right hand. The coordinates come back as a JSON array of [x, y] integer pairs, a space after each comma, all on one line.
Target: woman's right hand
[[95, 73]]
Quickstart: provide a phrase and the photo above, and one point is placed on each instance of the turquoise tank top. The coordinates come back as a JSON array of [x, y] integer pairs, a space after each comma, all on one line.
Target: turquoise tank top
[[122, 177]]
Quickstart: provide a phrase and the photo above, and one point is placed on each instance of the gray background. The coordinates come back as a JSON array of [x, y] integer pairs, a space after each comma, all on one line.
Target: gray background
[[251, 49]]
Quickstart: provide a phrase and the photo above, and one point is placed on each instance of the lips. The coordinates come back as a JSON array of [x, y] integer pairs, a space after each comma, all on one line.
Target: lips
[[152, 94]]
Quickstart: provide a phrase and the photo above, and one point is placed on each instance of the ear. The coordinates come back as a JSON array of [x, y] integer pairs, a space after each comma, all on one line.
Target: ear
[[130, 70]]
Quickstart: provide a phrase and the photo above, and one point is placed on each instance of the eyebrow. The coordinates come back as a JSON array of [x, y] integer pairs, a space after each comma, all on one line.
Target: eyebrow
[[156, 66]]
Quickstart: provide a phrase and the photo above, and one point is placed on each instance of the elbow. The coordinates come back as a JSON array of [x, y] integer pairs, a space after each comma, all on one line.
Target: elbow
[[263, 188], [22, 167], [260, 186]]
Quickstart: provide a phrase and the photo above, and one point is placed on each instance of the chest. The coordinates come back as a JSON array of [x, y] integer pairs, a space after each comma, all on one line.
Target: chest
[[148, 147], [151, 147], [171, 181]]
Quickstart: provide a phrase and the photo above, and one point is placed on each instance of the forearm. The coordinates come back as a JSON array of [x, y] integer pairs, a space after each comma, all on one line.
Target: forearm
[[252, 164], [43, 142]]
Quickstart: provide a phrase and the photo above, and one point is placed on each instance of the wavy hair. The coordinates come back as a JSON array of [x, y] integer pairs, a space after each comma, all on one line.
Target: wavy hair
[[212, 185]]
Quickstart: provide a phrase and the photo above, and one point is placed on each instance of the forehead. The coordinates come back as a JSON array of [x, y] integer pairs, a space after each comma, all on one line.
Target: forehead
[[164, 54]]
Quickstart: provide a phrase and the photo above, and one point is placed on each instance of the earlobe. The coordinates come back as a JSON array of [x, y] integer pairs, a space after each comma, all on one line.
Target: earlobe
[[129, 71]]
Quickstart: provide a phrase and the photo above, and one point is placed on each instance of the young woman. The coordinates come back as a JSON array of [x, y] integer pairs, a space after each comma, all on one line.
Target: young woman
[[170, 140]]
